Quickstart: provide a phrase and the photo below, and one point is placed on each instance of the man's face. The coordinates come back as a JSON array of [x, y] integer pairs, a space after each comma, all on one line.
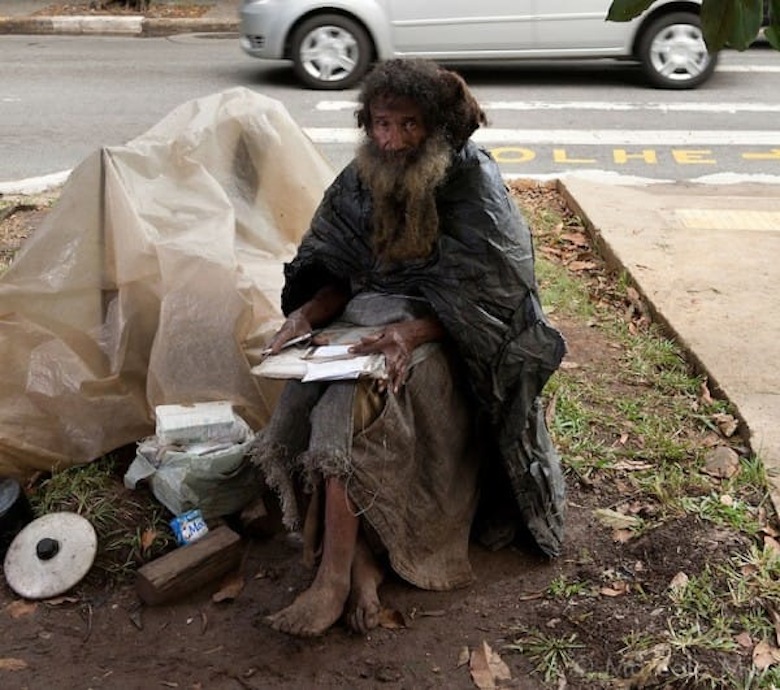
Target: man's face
[[402, 164], [397, 126]]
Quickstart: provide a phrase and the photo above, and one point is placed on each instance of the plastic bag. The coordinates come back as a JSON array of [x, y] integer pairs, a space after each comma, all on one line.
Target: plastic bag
[[213, 475]]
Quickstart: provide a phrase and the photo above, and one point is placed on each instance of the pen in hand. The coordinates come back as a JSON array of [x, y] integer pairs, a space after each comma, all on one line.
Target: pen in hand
[[293, 341]]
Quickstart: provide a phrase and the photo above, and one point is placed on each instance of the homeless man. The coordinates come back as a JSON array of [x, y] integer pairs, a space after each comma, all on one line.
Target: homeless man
[[417, 239]]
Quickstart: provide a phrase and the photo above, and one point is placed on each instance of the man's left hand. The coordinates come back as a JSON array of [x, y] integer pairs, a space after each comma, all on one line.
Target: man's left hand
[[397, 341]]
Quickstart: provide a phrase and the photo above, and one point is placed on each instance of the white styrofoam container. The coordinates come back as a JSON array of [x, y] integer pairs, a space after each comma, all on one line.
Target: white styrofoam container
[[195, 423]]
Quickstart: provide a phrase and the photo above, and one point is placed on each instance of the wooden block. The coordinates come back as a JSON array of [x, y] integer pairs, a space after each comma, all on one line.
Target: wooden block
[[189, 567]]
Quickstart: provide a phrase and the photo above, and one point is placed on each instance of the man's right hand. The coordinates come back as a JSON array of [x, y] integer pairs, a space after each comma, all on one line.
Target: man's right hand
[[328, 303], [295, 325]]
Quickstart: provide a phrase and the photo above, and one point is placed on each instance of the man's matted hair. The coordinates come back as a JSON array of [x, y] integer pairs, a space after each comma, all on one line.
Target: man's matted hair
[[447, 104]]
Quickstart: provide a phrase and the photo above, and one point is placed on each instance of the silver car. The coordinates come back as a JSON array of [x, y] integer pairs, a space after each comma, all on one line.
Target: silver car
[[333, 43]]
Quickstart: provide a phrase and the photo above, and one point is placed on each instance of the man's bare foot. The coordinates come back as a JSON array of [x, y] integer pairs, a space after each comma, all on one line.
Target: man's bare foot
[[313, 611], [320, 606], [363, 606]]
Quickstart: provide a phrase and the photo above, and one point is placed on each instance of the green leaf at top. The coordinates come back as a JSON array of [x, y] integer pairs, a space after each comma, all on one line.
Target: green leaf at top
[[772, 32], [626, 10], [732, 23], [772, 35]]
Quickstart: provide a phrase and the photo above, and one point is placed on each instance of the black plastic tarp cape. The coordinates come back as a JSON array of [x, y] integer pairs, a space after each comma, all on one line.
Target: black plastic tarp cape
[[481, 284]]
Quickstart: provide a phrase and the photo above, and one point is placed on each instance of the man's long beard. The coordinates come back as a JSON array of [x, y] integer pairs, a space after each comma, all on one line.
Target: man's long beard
[[403, 189]]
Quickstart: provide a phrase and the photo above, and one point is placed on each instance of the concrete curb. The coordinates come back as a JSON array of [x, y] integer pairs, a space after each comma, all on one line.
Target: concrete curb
[[114, 26], [202, 25], [34, 185]]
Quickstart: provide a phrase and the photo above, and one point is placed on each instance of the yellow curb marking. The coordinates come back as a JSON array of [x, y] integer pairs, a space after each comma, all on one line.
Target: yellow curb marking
[[774, 154], [733, 219]]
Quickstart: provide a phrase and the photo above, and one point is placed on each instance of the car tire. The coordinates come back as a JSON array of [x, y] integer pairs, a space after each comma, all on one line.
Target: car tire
[[330, 52], [673, 54]]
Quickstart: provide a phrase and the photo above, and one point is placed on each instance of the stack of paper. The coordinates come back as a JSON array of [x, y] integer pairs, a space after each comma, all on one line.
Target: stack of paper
[[321, 363], [196, 423]]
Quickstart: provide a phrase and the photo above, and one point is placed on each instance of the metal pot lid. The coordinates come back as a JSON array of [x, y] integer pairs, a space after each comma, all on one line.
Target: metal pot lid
[[9, 493], [50, 555]]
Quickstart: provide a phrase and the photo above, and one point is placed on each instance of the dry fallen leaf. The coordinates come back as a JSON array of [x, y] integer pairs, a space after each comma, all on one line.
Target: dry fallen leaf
[[748, 570], [551, 251], [765, 655], [704, 392], [631, 465], [463, 657], [726, 423], [531, 596], [766, 528], [635, 300], [136, 619], [623, 536], [654, 664], [721, 462], [391, 619], [771, 544], [615, 589], [549, 413], [19, 608], [582, 266], [679, 582], [431, 613], [577, 238], [58, 601], [230, 588], [710, 440], [147, 538], [487, 668], [616, 520], [11, 664], [775, 617]]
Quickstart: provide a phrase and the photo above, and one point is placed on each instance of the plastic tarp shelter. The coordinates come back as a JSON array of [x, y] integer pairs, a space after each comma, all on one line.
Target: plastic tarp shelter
[[151, 281]]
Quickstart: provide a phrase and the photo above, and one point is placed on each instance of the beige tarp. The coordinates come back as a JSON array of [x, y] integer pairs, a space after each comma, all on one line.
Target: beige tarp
[[151, 280]]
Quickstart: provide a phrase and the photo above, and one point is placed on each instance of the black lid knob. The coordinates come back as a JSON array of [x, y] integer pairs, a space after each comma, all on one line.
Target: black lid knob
[[47, 548]]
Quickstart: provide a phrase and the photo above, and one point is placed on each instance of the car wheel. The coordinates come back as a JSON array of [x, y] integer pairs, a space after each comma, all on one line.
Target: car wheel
[[330, 52], [673, 52]]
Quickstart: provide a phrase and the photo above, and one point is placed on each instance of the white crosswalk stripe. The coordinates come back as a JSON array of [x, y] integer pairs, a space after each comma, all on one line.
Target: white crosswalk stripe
[[599, 137], [714, 108]]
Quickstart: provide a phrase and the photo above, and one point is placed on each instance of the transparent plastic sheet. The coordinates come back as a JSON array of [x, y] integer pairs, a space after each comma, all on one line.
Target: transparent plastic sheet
[[157, 271]]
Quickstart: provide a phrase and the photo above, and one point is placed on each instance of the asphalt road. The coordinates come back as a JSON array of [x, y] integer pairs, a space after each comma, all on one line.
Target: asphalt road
[[62, 97]]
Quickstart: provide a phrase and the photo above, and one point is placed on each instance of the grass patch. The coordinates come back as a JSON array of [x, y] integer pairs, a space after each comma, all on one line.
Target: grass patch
[[638, 434], [131, 527], [552, 656]]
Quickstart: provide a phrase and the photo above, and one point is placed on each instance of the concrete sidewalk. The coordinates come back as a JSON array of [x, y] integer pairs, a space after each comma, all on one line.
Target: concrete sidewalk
[[706, 259], [704, 256], [29, 17]]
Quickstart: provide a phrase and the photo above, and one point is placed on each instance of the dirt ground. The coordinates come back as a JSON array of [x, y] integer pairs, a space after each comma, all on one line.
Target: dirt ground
[[98, 637]]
